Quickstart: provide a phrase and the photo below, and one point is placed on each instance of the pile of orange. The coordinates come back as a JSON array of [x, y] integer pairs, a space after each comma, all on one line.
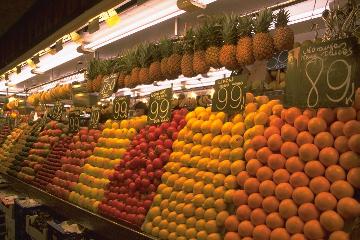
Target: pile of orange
[[302, 171]]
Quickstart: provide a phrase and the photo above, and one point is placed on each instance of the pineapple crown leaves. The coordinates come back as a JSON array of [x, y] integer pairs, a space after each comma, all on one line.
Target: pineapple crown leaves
[[263, 21], [229, 29], [144, 52], [246, 26], [120, 65], [165, 47], [128, 59], [108, 66], [178, 46], [213, 31], [201, 41], [281, 18], [189, 40], [93, 69], [155, 52]]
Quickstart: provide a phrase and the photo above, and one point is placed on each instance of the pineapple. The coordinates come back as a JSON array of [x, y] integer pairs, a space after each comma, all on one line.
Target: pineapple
[[213, 35], [187, 59], [263, 44], [128, 65], [165, 47], [244, 48], [199, 64], [120, 68], [155, 73], [284, 35], [92, 73], [227, 57], [144, 60], [174, 61], [134, 58]]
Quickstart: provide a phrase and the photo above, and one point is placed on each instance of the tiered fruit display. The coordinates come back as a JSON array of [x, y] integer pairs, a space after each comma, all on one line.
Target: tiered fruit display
[[25, 143], [52, 163], [301, 174], [81, 147], [10, 147], [41, 149], [110, 149], [5, 131], [195, 196], [133, 185]]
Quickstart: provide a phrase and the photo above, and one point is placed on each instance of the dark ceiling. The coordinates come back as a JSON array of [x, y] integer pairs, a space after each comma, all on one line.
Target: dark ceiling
[[28, 22], [11, 11]]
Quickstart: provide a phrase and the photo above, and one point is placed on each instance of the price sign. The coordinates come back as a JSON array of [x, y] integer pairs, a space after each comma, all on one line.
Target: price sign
[[108, 85], [229, 95], [121, 107], [278, 61], [160, 106], [57, 111], [323, 74], [74, 121], [94, 117]]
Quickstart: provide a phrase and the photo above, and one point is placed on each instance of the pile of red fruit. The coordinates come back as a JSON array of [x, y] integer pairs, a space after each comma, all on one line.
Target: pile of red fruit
[[80, 148], [133, 185], [52, 163]]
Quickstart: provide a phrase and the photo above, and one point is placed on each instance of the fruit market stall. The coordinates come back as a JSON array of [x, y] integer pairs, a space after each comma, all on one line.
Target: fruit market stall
[[230, 131]]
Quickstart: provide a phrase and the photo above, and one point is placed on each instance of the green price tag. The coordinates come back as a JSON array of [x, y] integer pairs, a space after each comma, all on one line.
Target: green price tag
[[94, 117], [160, 106], [323, 74], [74, 121], [108, 86], [229, 95], [57, 111], [121, 107]]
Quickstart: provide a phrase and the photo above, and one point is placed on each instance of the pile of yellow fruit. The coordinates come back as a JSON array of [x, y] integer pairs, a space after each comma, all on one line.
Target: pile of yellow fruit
[[195, 196], [111, 146]]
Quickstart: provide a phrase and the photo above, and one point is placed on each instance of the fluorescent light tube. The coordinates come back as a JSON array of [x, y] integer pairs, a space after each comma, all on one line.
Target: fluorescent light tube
[[68, 53], [135, 20]]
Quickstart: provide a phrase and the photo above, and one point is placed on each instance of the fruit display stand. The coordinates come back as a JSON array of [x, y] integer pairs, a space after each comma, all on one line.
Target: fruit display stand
[[82, 147], [25, 144], [110, 148], [52, 163], [5, 131], [10, 148], [103, 227], [194, 198], [41, 149], [132, 188]]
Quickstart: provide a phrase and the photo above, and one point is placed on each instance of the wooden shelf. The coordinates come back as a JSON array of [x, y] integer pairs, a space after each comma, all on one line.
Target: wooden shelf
[[103, 227]]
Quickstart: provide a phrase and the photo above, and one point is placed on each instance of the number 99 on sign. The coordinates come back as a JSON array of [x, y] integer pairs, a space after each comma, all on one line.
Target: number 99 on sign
[[159, 109], [229, 98]]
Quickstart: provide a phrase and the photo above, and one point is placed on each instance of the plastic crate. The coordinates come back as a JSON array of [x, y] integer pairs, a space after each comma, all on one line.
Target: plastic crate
[[20, 213], [33, 232], [57, 233]]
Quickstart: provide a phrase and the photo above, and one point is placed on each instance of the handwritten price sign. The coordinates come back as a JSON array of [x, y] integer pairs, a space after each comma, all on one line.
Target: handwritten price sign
[[278, 61], [74, 121], [94, 117], [160, 106], [108, 86], [229, 95], [323, 74], [121, 107], [57, 111]]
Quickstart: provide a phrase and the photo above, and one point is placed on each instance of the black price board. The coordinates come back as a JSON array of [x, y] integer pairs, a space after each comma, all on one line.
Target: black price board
[[121, 107], [160, 106], [74, 121], [229, 95], [278, 61], [57, 111], [323, 74], [108, 85], [94, 117]]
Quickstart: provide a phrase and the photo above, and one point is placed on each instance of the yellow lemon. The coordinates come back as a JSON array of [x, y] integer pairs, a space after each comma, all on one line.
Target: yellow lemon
[[216, 126], [226, 128]]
